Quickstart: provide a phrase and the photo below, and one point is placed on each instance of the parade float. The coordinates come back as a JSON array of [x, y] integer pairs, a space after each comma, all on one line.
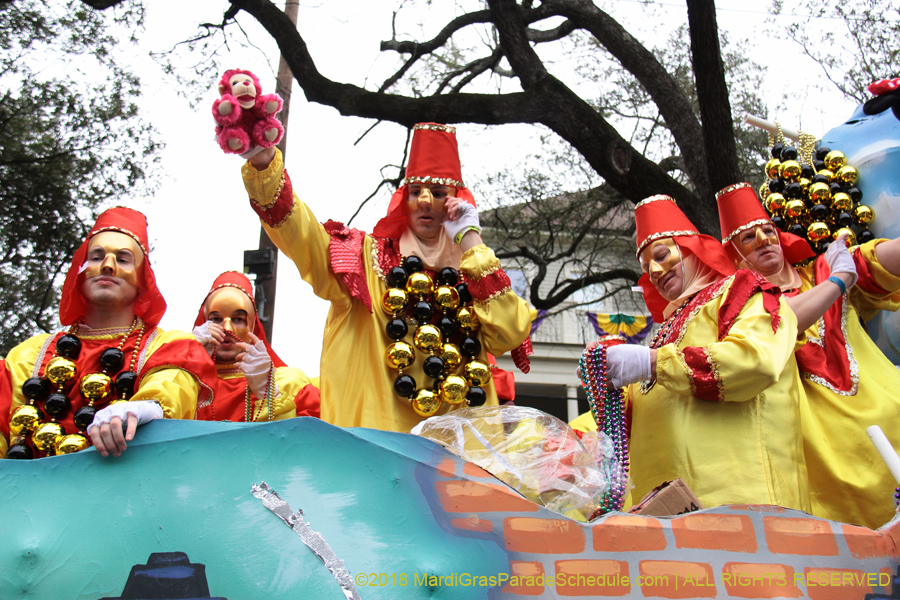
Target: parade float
[[302, 509]]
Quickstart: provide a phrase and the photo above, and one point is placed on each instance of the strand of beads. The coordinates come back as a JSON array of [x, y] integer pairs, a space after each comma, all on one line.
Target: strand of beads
[[608, 408], [270, 395], [50, 437], [440, 314], [812, 193]]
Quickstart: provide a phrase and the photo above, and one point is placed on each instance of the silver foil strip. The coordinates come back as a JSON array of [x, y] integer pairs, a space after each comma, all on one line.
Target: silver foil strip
[[312, 539]]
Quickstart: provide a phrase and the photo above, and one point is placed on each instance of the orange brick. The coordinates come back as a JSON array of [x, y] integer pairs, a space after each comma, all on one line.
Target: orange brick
[[811, 537], [892, 534], [865, 543], [474, 470], [447, 468], [628, 533], [544, 536], [837, 584], [474, 497], [525, 579], [592, 578], [885, 580], [472, 524], [673, 579], [747, 580], [732, 533]]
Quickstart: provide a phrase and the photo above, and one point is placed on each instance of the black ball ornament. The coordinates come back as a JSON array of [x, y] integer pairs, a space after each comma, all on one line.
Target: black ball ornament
[[397, 277], [405, 386], [448, 276], [413, 264], [68, 346], [112, 360], [476, 396]]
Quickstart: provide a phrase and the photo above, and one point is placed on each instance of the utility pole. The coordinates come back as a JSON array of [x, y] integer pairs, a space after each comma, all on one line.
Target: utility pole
[[264, 261]]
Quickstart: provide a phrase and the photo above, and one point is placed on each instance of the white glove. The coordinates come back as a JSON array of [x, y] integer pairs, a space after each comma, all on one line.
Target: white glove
[[840, 260], [627, 363], [256, 364], [144, 410], [201, 332], [466, 218]]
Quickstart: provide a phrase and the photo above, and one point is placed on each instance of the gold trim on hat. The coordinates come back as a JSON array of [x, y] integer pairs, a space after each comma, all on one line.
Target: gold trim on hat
[[745, 228], [121, 230], [731, 188], [654, 199], [663, 234], [435, 127], [434, 180]]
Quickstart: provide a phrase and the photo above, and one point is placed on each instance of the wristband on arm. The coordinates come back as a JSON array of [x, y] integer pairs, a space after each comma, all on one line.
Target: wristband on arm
[[840, 284]]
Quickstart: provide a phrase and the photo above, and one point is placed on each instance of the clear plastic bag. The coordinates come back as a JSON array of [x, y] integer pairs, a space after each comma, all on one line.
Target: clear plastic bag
[[534, 453]]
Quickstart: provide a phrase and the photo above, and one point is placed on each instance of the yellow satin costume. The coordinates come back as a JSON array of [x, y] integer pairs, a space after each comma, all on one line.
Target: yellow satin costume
[[290, 382], [356, 384], [848, 480], [177, 390], [744, 448]]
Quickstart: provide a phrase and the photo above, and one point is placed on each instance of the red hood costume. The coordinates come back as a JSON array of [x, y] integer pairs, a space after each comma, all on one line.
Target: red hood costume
[[241, 282], [659, 217], [149, 305]]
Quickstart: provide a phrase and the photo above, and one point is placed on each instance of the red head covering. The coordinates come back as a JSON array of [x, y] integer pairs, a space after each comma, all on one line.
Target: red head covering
[[659, 217], [149, 305], [739, 210], [433, 158], [239, 280]]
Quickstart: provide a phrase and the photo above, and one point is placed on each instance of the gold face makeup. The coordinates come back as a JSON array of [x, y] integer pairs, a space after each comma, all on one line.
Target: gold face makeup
[[115, 254], [433, 195], [659, 257], [755, 237], [233, 310]]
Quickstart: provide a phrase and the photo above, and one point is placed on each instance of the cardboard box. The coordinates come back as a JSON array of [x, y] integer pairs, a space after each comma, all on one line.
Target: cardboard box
[[669, 499]]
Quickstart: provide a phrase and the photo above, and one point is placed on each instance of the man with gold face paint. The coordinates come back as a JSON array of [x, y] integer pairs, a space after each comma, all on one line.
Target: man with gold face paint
[[112, 369], [254, 383], [431, 216], [715, 398], [849, 383]]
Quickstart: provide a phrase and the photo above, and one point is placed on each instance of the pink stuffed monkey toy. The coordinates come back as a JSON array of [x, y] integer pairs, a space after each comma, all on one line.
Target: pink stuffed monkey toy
[[245, 117]]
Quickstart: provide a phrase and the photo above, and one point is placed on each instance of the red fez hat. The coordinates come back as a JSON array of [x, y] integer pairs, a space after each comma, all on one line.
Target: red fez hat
[[149, 305], [433, 159], [739, 210], [659, 217], [240, 281]]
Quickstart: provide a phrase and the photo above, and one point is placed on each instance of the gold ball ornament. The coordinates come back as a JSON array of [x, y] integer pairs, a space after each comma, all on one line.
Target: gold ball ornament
[[46, 436], [447, 297], [425, 403], [60, 370], [451, 355], [477, 373], [419, 285], [863, 215], [95, 386], [851, 239], [819, 193], [828, 174], [775, 203], [399, 355], [847, 174], [796, 210], [834, 160], [764, 190], [453, 390], [772, 168], [73, 442], [841, 202], [817, 231], [467, 318], [428, 338], [394, 301], [24, 420], [790, 170], [804, 185]]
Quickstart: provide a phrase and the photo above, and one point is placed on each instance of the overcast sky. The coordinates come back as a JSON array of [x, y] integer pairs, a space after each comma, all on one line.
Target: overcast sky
[[200, 220]]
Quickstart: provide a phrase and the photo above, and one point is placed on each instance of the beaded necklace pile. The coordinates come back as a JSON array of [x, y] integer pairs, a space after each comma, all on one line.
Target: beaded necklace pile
[[448, 317], [249, 415], [608, 409], [28, 428]]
